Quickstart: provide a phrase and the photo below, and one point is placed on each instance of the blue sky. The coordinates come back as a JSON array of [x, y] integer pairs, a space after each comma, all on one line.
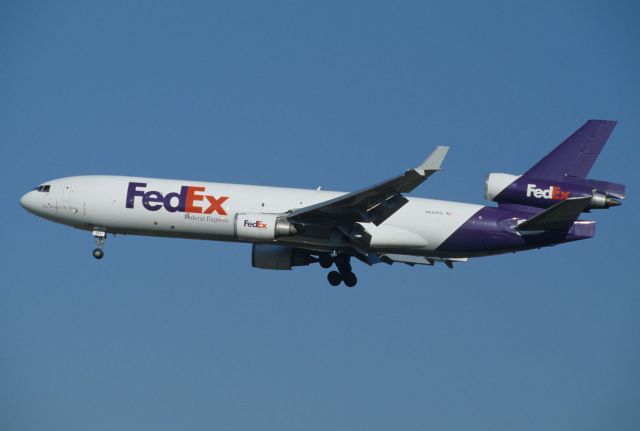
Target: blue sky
[[174, 334]]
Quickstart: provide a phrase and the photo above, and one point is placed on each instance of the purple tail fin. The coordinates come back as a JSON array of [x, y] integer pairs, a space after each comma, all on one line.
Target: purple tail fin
[[561, 174], [575, 156]]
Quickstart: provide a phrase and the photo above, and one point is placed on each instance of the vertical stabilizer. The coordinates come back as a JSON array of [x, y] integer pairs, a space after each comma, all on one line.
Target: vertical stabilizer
[[574, 157]]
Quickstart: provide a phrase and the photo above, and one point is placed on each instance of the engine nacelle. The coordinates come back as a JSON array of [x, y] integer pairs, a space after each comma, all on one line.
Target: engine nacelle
[[542, 193], [262, 227], [273, 256]]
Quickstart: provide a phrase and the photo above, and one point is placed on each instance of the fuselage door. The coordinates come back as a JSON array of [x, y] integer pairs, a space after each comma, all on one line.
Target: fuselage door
[[66, 192]]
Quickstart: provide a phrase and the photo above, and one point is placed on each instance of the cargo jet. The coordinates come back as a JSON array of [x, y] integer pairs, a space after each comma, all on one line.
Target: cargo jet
[[290, 227]]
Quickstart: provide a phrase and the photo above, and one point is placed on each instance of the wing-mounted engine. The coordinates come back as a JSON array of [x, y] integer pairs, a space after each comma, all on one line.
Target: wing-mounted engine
[[273, 256], [262, 227], [544, 193]]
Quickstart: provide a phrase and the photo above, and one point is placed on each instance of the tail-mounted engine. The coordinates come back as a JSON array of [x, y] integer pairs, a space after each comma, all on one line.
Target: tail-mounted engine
[[523, 190]]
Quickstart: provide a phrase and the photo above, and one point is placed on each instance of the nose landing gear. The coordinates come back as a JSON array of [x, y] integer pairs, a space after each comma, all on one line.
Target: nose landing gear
[[101, 237], [343, 274]]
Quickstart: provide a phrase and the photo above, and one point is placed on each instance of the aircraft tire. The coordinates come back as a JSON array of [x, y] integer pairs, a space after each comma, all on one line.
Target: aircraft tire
[[350, 279], [334, 278], [98, 253]]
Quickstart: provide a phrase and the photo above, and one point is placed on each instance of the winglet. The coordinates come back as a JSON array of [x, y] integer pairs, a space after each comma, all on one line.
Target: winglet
[[434, 161]]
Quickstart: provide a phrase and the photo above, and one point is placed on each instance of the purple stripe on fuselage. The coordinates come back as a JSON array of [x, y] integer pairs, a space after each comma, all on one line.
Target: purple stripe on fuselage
[[490, 231]]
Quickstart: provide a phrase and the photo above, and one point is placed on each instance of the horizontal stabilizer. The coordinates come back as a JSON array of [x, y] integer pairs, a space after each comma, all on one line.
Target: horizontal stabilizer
[[559, 217]]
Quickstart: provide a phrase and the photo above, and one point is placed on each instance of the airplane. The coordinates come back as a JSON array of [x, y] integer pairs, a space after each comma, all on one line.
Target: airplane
[[290, 227]]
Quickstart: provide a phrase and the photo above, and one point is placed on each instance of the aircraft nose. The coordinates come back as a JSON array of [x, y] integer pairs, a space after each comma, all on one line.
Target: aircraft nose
[[27, 201]]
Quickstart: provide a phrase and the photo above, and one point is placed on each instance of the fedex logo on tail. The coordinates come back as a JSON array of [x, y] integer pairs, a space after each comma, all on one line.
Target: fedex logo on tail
[[553, 192], [189, 199]]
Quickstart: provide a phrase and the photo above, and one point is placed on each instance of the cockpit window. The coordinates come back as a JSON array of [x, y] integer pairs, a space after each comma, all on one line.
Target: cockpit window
[[44, 188]]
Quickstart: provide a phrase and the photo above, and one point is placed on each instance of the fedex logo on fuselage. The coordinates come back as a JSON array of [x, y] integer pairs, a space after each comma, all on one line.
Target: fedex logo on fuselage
[[256, 224], [190, 199], [553, 192]]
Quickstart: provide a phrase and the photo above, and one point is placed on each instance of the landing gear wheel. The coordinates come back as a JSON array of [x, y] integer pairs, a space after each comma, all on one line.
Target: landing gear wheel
[[325, 261], [101, 236], [350, 279], [334, 278]]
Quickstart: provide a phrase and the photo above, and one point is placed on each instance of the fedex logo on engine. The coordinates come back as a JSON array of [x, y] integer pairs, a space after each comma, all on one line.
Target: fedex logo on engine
[[256, 224], [553, 192], [190, 199]]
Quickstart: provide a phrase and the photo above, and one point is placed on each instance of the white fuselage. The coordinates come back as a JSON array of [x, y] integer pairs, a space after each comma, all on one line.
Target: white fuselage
[[212, 211]]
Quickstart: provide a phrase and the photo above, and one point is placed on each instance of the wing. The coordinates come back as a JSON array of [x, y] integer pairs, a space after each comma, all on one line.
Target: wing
[[373, 204]]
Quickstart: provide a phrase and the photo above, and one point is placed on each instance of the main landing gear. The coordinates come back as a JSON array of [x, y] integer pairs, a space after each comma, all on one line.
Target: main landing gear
[[343, 274], [101, 237]]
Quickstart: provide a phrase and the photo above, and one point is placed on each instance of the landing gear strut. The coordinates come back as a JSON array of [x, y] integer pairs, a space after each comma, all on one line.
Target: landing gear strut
[[343, 274], [101, 237]]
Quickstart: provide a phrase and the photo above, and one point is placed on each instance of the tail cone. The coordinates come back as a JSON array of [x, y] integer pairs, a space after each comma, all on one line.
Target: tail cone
[[611, 202]]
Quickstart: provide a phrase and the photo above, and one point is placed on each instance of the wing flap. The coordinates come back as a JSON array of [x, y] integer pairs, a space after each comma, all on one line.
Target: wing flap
[[412, 260]]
